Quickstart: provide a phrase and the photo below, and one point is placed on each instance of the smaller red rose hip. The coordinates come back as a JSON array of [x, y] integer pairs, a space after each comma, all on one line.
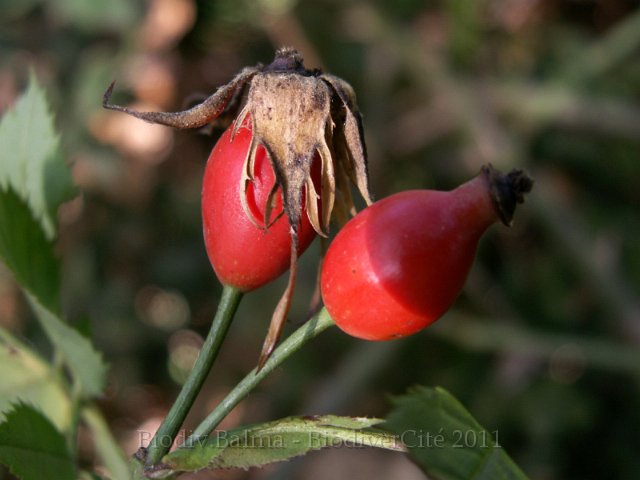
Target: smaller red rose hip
[[398, 265]]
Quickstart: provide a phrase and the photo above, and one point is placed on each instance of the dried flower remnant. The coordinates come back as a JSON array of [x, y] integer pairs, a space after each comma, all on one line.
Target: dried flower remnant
[[294, 114]]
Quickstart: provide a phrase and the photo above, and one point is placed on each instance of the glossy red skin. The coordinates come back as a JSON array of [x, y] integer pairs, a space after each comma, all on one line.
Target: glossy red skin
[[398, 265], [243, 255]]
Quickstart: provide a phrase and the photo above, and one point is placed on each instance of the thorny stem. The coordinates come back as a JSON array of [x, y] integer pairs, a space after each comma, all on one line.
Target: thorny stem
[[166, 434], [316, 325]]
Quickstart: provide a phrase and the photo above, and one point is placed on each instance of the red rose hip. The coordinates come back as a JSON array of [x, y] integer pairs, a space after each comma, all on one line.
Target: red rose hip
[[243, 254], [398, 265]]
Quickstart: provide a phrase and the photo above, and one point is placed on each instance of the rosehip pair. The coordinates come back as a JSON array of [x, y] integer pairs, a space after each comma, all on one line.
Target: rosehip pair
[[395, 267], [391, 271]]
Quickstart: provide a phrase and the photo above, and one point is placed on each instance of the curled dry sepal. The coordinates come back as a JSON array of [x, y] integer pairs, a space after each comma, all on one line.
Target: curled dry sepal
[[295, 114]]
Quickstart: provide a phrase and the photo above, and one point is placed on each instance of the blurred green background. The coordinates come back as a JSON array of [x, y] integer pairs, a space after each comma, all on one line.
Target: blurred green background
[[543, 345]]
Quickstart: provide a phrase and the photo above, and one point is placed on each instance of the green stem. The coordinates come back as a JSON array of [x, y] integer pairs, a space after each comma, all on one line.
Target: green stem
[[166, 434], [292, 344]]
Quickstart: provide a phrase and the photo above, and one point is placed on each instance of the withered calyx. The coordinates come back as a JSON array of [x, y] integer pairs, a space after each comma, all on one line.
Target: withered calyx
[[295, 114]]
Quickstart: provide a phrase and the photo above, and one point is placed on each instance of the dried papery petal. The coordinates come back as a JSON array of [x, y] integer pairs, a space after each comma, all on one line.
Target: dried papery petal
[[240, 121], [358, 164], [270, 205], [248, 171], [344, 207], [312, 204], [248, 174], [349, 132], [328, 185], [344, 175]]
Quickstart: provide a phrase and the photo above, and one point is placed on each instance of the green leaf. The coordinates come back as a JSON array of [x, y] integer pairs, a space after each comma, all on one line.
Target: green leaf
[[32, 448], [108, 449], [137, 469], [89, 476], [445, 441], [84, 361], [26, 251], [29, 255], [259, 445], [29, 379], [30, 161]]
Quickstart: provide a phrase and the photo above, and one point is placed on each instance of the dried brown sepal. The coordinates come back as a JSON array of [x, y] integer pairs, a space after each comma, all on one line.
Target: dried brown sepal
[[507, 190], [271, 204], [289, 113], [328, 182], [296, 114], [226, 117], [312, 209], [279, 317], [195, 117], [350, 136]]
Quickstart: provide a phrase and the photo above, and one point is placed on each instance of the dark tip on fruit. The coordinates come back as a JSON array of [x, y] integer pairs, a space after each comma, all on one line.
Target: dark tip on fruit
[[507, 190]]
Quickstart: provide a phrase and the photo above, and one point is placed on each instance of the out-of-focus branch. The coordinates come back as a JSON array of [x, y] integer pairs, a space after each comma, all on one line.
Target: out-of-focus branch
[[605, 54], [487, 335], [564, 225], [539, 106], [528, 108]]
